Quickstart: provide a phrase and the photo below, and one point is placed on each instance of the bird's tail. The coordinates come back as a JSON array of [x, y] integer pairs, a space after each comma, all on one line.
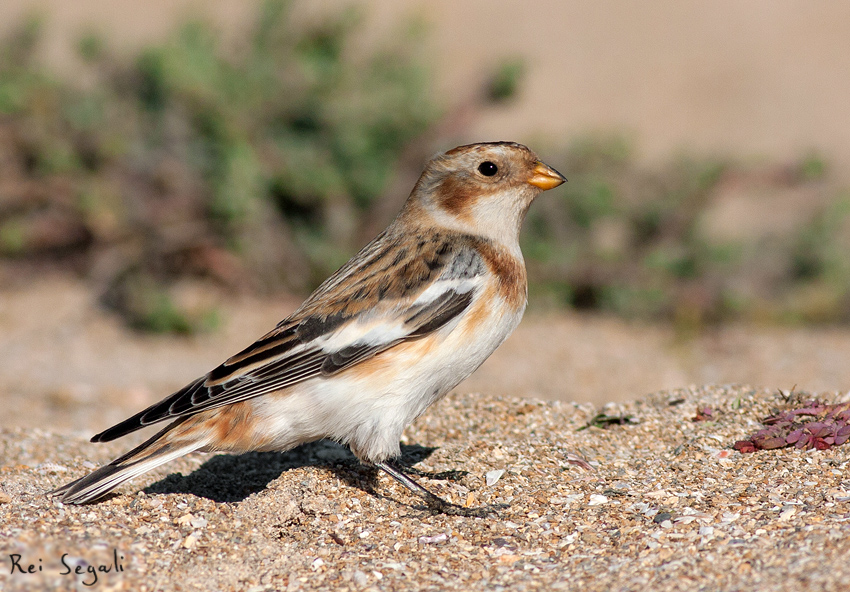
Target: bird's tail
[[156, 451]]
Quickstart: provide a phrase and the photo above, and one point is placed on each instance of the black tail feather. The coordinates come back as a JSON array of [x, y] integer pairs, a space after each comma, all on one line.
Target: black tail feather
[[145, 418]]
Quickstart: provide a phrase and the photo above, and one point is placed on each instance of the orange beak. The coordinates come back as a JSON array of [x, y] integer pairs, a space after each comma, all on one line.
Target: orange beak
[[545, 177]]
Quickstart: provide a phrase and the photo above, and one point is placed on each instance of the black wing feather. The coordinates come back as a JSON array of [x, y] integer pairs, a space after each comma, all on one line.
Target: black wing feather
[[269, 364]]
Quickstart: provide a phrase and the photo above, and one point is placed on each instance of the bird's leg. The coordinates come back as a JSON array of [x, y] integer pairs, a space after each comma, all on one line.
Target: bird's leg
[[435, 504], [451, 475]]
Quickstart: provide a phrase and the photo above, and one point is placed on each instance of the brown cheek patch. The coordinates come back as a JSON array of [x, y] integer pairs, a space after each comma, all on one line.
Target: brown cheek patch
[[459, 198]]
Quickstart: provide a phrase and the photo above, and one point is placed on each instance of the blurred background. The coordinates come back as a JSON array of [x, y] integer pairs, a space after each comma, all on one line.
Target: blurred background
[[176, 175]]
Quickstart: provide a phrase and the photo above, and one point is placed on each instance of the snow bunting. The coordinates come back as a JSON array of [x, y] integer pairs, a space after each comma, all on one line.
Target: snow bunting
[[410, 316]]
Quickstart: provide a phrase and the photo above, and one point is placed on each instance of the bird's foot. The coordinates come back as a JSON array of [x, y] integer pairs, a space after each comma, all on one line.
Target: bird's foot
[[434, 503]]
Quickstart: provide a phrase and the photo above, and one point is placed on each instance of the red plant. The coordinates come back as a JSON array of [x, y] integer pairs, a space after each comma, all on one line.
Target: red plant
[[829, 426]]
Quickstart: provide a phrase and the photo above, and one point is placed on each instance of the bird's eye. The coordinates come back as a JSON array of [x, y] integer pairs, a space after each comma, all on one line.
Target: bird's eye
[[487, 168]]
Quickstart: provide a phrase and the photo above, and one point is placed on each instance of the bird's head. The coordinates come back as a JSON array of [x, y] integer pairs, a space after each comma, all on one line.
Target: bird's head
[[484, 188]]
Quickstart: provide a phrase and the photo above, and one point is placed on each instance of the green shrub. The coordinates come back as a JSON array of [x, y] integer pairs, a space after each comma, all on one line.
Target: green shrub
[[193, 151], [256, 166], [623, 237]]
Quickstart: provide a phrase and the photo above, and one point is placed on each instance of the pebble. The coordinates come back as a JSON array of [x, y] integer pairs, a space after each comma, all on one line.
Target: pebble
[[434, 539], [493, 476]]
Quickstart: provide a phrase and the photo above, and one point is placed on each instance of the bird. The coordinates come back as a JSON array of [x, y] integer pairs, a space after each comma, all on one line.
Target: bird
[[410, 316]]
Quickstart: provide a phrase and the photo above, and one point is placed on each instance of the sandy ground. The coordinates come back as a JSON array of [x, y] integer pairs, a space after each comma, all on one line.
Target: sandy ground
[[667, 506]]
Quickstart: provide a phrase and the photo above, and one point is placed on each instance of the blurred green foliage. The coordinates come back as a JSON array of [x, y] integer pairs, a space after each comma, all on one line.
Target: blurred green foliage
[[820, 267], [231, 162], [630, 239], [505, 82], [254, 165]]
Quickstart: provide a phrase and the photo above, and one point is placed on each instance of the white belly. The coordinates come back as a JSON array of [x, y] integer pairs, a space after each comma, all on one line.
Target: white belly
[[368, 406]]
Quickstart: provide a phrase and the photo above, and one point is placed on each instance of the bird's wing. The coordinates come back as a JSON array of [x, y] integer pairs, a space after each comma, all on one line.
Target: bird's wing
[[386, 295]]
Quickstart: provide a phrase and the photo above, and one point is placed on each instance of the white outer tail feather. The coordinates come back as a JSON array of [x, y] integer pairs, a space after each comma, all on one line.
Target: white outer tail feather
[[100, 487]]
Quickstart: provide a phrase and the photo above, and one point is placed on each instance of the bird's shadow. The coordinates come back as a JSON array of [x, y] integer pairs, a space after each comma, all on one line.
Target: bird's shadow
[[232, 478]]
